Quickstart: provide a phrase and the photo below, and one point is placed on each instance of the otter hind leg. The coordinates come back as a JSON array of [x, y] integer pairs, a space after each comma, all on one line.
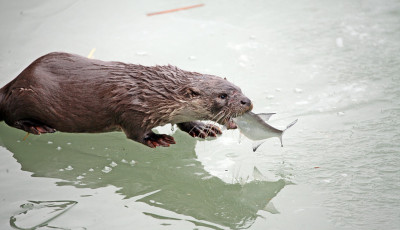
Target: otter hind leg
[[153, 140], [199, 129], [34, 127]]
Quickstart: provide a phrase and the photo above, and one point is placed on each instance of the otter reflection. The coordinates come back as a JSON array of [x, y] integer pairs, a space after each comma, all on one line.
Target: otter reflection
[[183, 185]]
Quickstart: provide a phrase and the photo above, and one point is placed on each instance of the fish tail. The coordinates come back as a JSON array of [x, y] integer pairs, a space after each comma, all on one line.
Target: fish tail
[[280, 138], [289, 125]]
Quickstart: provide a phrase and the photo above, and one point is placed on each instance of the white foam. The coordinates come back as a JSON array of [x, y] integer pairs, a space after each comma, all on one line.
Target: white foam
[[106, 169], [297, 90], [339, 42], [141, 53], [69, 168]]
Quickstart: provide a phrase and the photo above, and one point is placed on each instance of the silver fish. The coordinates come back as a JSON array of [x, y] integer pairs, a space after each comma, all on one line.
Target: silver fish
[[254, 127]]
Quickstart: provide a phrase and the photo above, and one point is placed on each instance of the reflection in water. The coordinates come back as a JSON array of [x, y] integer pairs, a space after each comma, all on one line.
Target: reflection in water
[[171, 177], [37, 214]]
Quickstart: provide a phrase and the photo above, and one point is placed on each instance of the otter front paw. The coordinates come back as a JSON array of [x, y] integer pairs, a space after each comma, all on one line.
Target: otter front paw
[[199, 129], [205, 131], [153, 140]]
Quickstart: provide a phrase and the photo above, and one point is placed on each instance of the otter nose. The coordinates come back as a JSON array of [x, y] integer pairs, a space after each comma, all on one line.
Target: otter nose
[[245, 101]]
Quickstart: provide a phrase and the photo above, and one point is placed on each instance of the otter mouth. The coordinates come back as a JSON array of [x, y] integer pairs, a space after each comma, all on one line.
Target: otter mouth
[[228, 120], [225, 116], [230, 124]]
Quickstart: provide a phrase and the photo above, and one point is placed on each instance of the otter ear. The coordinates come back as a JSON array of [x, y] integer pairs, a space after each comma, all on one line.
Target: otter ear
[[192, 92]]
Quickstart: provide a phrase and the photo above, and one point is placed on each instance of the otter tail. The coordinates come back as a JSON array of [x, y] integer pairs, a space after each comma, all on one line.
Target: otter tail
[[3, 93], [2, 96]]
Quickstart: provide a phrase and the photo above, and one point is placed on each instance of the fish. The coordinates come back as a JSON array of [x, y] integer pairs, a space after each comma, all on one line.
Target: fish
[[255, 127]]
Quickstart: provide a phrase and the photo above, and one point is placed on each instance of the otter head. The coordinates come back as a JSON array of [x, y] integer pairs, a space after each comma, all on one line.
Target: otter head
[[218, 100]]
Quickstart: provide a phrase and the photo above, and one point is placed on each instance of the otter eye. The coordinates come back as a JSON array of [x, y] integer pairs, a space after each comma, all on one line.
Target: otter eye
[[223, 96]]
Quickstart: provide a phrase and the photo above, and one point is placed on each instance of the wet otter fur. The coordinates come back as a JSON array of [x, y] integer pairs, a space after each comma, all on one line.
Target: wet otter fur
[[70, 93]]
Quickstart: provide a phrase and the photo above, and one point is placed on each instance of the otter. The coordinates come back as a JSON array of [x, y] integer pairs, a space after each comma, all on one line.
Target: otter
[[70, 93]]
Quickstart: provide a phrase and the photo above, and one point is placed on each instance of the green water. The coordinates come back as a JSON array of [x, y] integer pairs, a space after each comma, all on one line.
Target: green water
[[334, 65], [172, 178]]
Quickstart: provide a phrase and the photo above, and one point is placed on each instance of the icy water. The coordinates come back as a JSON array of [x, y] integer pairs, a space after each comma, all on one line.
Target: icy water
[[334, 65]]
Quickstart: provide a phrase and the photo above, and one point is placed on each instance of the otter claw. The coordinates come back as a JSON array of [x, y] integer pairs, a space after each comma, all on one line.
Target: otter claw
[[205, 131], [154, 140]]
